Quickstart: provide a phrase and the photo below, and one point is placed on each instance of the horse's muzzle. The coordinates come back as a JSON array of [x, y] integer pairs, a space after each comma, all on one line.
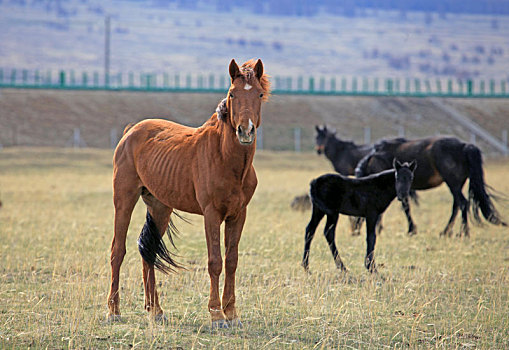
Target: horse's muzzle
[[319, 149], [246, 137]]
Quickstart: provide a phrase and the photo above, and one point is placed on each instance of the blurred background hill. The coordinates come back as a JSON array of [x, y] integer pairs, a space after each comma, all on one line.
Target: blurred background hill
[[391, 38]]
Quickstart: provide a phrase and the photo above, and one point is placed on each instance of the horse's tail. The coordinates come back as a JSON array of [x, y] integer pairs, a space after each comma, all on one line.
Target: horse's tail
[[127, 127], [152, 247], [361, 168], [478, 194]]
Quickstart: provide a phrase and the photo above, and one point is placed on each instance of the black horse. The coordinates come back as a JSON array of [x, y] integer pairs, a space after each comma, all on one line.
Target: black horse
[[368, 197], [344, 155], [441, 159]]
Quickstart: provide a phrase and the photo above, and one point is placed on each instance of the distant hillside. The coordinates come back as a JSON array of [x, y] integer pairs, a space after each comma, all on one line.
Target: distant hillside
[[385, 39], [48, 118]]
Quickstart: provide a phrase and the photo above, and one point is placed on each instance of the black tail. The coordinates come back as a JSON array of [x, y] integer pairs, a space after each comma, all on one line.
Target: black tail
[[478, 195], [360, 169], [152, 247]]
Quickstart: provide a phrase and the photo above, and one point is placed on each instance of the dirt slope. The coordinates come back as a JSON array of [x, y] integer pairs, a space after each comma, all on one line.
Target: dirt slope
[[48, 117]]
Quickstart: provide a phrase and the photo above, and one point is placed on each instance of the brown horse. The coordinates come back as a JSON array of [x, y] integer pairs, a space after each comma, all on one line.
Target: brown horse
[[206, 170]]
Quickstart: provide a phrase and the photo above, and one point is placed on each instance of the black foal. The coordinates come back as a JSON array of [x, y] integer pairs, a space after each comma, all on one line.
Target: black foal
[[368, 197]]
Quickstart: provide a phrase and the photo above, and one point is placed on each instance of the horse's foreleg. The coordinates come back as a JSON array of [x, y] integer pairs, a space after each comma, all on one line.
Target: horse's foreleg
[[124, 202], [233, 231], [316, 217], [330, 235], [369, 262], [412, 229], [215, 265]]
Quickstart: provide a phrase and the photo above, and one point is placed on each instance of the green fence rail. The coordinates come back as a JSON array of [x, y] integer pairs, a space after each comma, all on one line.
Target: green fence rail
[[214, 83]]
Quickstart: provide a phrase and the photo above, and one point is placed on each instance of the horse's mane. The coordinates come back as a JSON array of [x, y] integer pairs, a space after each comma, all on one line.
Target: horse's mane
[[247, 70], [389, 144]]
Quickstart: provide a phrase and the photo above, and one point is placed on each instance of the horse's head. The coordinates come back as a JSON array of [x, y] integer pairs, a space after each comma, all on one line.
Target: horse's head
[[404, 177], [249, 87], [322, 134]]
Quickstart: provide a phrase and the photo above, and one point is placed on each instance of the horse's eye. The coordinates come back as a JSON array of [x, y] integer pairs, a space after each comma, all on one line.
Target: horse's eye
[[231, 95], [261, 95]]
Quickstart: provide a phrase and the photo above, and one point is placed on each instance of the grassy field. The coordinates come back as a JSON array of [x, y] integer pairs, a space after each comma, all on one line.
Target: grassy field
[[56, 229]]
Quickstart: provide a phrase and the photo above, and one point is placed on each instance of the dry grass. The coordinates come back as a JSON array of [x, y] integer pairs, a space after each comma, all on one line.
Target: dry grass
[[56, 228]]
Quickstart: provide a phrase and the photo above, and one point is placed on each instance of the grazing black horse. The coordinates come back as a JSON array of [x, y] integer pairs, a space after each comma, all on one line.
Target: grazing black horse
[[344, 155], [368, 197], [441, 159]]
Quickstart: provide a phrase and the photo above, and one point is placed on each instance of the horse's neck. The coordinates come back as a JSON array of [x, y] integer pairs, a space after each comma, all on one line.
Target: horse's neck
[[237, 157]]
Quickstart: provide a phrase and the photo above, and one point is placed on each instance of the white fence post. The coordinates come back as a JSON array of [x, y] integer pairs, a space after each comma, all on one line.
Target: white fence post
[[367, 135], [113, 138], [296, 136], [259, 138], [504, 141]]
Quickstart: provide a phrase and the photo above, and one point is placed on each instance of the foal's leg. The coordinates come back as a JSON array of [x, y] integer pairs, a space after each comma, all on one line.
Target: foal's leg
[[369, 262], [125, 196], [232, 233], [161, 216], [215, 265], [316, 217], [412, 229], [330, 233]]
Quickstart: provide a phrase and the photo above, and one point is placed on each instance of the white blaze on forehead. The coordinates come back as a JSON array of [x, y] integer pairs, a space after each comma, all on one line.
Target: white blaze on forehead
[[250, 124], [247, 87]]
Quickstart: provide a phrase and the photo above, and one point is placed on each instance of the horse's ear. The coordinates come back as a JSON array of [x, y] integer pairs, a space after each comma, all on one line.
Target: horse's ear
[[395, 164], [317, 128], [258, 69], [234, 69], [413, 165], [324, 127]]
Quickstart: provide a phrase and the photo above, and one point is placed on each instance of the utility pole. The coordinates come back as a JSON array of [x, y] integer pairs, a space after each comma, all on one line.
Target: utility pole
[[107, 34]]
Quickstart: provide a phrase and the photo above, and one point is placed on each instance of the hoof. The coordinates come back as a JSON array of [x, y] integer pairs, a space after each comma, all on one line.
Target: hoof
[[220, 324], [161, 319], [235, 323], [114, 319]]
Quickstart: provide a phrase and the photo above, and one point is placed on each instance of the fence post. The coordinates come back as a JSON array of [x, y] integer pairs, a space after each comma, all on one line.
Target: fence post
[[13, 76], [502, 87], [504, 141], [367, 135], [113, 138], [76, 138], [1, 76], [401, 131], [300, 83], [311, 84], [296, 136], [259, 137], [62, 78]]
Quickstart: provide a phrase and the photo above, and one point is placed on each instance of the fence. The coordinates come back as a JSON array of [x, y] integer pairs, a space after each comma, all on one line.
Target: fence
[[216, 83]]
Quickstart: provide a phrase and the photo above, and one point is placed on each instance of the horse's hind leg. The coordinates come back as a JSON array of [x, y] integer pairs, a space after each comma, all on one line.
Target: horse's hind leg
[[448, 228], [330, 234], [464, 206], [161, 216], [316, 217], [124, 200], [412, 229]]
